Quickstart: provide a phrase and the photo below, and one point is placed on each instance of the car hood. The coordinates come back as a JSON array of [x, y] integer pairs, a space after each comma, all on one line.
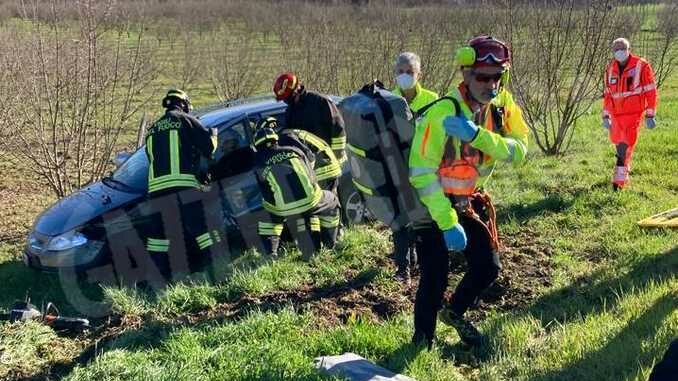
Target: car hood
[[81, 207]]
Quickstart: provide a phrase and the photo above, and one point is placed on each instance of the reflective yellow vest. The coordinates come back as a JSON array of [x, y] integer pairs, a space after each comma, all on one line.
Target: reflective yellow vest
[[434, 152]]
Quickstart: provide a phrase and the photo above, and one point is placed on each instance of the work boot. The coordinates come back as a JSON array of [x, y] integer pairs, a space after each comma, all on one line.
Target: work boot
[[402, 275], [467, 332], [419, 339], [620, 177]]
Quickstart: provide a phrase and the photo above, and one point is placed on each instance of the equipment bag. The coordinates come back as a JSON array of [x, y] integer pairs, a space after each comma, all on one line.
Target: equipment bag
[[379, 130]]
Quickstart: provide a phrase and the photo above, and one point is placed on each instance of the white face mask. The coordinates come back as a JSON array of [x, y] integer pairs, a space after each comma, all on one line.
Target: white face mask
[[621, 55], [405, 81]]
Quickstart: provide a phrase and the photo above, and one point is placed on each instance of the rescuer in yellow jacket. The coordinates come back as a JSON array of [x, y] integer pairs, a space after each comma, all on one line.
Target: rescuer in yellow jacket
[[457, 144], [407, 71]]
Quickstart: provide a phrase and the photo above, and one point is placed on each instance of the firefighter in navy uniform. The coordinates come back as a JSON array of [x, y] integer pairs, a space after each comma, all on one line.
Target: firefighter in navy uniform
[[313, 112], [327, 171], [175, 144], [290, 190]]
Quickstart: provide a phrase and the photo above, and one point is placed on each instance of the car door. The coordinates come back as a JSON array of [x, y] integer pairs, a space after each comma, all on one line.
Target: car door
[[233, 170]]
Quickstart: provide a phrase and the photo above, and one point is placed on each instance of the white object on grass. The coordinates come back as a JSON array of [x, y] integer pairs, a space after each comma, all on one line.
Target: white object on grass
[[356, 368]]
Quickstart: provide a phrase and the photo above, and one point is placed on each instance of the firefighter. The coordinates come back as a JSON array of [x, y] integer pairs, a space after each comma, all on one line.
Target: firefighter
[[290, 191], [175, 144], [407, 70], [456, 145], [630, 91], [327, 171], [312, 112]]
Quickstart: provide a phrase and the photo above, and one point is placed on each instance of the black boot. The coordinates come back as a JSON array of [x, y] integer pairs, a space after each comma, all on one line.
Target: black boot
[[419, 339], [402, 275], [467, 332]]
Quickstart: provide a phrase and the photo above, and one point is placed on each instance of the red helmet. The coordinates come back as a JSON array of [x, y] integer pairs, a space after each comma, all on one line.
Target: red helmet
[[285, 85]]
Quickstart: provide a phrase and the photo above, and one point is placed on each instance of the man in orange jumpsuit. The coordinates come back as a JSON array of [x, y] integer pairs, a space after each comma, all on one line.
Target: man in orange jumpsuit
[[630, 91]]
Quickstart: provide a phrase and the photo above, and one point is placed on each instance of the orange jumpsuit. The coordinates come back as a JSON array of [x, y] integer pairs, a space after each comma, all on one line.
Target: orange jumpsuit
[[627, 95]]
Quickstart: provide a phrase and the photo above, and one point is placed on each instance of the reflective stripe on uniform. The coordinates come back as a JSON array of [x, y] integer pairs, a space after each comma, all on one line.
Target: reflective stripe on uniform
[[329, 221], [172, 180], [157, 245], [636, 75], [358, 151], [296, 207], [362, 188], [429, 189], [270, 228], [314, 221], [330, 171], [625, 94], [418, 171], [174, 152], [338, 143], [511, 143], [458, 186], [301, 225], [149, 150], [204, 240], [649, 87]]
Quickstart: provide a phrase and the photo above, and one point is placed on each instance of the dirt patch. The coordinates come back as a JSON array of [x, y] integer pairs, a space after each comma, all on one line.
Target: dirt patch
[[526, 270], [333, 304]]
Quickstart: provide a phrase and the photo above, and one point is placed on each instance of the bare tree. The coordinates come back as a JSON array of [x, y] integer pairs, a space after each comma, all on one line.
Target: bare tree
[[76, 91]]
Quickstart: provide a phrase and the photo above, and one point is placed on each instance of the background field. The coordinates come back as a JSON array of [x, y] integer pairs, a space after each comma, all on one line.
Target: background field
[[585, 294]]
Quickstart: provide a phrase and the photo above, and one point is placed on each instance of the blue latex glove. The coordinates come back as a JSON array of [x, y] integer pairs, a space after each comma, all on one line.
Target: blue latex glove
[[455, 238], [461, 128], [650, 123], [606, 123]]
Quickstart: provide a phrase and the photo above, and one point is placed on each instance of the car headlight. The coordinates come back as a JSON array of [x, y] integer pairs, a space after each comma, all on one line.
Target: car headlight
[[66, 241], [34, 243]]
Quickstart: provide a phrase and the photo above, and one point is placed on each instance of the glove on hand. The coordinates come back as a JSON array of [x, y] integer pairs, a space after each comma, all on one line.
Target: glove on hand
[[650, 123], [455, 238], [461, 128]]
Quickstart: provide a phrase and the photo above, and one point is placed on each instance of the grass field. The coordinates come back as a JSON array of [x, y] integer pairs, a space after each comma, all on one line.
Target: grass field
[[585, 294]]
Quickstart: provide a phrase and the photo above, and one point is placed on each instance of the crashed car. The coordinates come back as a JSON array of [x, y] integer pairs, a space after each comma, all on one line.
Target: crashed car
[[78, 229]]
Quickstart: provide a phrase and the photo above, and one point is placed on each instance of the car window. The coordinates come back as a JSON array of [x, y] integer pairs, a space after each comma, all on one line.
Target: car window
[[279, 115], [231, 138], [134, 171]]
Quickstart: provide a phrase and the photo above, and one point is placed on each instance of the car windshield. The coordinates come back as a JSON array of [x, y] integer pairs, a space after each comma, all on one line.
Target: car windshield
[[134, 171]]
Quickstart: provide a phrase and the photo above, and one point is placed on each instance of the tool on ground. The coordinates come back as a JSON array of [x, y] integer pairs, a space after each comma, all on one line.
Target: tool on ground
[[25, 311], [667, 219]]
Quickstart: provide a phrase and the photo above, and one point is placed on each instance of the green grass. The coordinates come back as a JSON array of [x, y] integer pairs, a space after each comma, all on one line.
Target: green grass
[[608, 314]]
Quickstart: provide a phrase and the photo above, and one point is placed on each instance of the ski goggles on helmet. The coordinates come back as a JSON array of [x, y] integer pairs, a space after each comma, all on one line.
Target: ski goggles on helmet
[[490, 51]]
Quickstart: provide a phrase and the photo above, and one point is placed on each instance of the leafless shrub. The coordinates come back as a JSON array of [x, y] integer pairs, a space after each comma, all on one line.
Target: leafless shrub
[[75, 92], [232, 64], [560, 51], [657, 43]]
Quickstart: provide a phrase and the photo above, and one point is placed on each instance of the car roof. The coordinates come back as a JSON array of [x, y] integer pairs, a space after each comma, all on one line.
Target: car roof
[[223, 112]]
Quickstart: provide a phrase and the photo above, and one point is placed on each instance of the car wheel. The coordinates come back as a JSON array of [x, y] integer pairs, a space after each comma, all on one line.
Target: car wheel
[[353, 208]]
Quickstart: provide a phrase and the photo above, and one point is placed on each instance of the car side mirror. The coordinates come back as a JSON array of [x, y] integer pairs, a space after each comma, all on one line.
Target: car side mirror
[[120, 158]]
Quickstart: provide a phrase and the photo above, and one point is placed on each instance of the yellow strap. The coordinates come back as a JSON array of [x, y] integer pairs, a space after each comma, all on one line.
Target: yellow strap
[[362, 188]]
